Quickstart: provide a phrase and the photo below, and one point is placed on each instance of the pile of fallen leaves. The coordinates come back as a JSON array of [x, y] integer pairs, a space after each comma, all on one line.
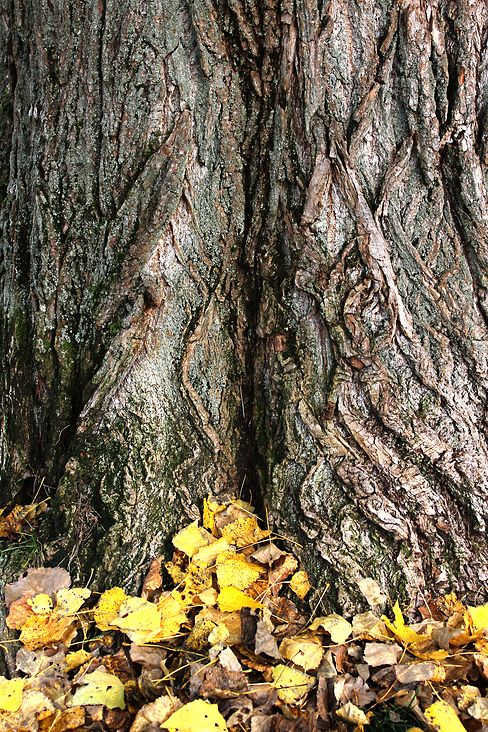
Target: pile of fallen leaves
[[224, 650]]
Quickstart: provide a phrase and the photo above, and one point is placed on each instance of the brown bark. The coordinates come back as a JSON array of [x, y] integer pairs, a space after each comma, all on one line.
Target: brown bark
[[248, 241]]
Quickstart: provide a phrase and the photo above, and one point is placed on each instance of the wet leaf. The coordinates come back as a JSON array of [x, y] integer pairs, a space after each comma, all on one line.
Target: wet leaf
[[197, 716]]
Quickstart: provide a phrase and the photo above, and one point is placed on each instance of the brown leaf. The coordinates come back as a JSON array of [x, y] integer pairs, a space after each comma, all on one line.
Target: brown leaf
[[153, 581], [264, 642], [20, 612], [218, 683], [66, 720], [282, 568], [119, 666], [267, 554], [382, 654], [406, 673], [348, 688], [43, 580]]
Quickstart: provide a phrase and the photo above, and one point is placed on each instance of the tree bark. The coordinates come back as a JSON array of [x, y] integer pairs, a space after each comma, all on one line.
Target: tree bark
[[247, 243]]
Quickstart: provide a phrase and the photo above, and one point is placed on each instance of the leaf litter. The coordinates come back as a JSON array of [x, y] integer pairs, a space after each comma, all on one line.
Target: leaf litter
[[217, 647]]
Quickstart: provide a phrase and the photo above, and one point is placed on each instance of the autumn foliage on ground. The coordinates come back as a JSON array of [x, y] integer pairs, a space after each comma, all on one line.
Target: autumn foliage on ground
[[220, 645]]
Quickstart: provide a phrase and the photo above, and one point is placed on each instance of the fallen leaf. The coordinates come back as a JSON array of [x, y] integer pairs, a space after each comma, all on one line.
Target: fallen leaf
[[153, 580], [108, 607], [231, 599], [264, 641], [282, 568], [369, 627], [192, 538], [300, 585], [76, 659], [478, 617], [234, 570], [41, 604], [244, 531], [155, 713], [99, 687], [292, 685], [172, 615], [70, 601], [352, 714], [11, 694], [382, 654], [197, 716], [336, 626], [229, 661], [37, 581], [267, 554], [63, 720], [304, 652], [408, 672], [349, 688], [467, 697], [20, 611], [443, 717], [207, 555], [479, 710], [139, 619], [42, 630]]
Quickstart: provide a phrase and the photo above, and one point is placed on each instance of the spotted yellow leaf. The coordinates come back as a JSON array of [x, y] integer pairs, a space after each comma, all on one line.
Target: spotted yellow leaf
[[292, 685], [244, 531], [99, 687], [197, 716], [108, 607], [230, 599], [305, 652], [352, 714], [11, 694], [300, 585], [41, 604], [43, 630], [234, 570], [443, 717], [70, 601], [78, 658], [192, 538]]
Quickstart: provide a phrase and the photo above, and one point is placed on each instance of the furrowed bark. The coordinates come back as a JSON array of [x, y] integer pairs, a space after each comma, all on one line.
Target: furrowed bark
[[247, 241]]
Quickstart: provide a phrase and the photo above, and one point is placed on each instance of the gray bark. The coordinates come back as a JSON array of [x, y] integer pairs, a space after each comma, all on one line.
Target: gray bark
[[248, 241]]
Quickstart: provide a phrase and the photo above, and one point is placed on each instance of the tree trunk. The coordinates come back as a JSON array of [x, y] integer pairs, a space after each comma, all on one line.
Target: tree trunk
[[247, 243]]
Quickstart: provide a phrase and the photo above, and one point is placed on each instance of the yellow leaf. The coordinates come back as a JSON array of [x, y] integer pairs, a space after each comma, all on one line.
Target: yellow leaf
[[352, 714], [244, 531], [70, 601], [41, 604], [443, 717], [234, 570], [11, 694], [299, 584], [192, 538], [207, 597], [43, 630], [304, 652], [402, 631], [211, 507], [99, 687], [207, 555], [139, 619], [292, 685], [230, 599], [108, 607], [337, 627], [197, 716], [172, 615], [479, 616], [78, 658]]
